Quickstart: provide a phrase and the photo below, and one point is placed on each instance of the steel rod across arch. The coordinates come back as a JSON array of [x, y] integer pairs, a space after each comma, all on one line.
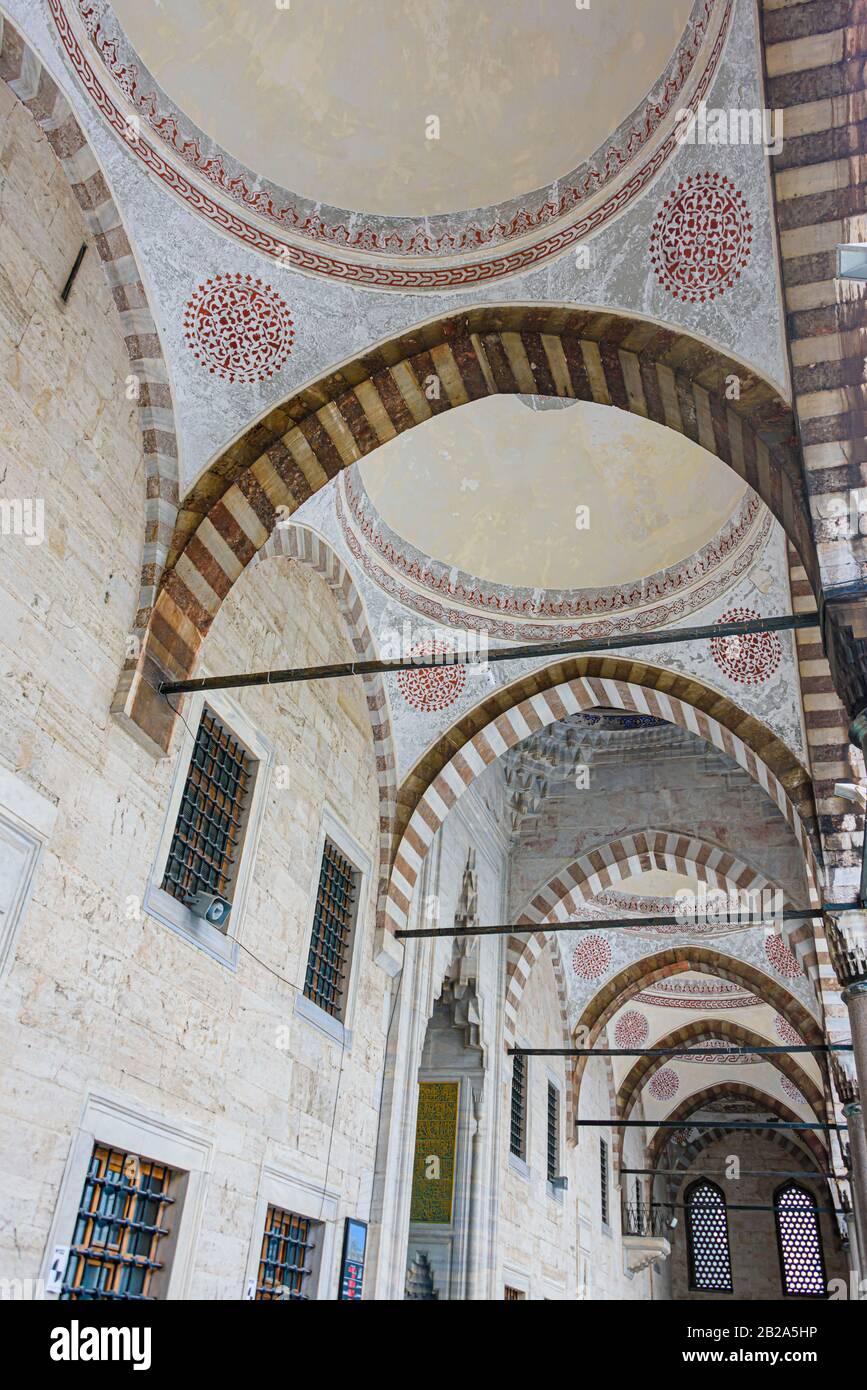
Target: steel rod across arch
[[527, 652]]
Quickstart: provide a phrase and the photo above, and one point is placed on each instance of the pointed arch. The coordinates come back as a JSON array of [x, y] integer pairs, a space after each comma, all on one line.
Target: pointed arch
[[799, 1240], [710, 1030], [562, 897], [739, 1090], [681, 1156], [609, 358], [513, 714], [675, 960]]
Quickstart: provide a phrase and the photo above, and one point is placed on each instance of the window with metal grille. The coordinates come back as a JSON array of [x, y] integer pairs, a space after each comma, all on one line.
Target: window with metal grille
[[707, 1234], [284, 1265], [553, 1152], [603, 1181], [333, 920], [206, 843], [518, 1119], [122, 1218], [511, 1295], [802, 1265]]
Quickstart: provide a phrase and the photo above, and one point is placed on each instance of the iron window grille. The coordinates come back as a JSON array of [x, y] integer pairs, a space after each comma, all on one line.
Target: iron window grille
[[707, 1231], [283, 1267], [333, 920], [121, 1221], [802, 1264], [553, 1153], [518, 1114], [203, 855], [603, 1182]]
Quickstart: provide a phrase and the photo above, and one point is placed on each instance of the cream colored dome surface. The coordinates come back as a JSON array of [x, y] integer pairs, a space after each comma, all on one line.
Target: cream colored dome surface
[[331, 98], [494, 490]]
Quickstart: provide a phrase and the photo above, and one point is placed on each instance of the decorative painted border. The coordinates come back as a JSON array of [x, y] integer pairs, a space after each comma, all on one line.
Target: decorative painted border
[[363, 273], [484, 595], [748, 523], [696, 1001]]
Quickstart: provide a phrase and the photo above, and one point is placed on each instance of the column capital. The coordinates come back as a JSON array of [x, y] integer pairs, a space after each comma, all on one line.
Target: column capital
[[844, 630], [845, 1080], [847, 944], [852, 1110]]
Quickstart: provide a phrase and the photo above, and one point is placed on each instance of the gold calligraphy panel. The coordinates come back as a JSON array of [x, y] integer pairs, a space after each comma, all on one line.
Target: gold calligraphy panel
[[436, 1137]]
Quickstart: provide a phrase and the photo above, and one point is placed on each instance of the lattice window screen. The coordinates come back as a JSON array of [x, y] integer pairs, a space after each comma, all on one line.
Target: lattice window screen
[[708, 1235], [801, 1262]]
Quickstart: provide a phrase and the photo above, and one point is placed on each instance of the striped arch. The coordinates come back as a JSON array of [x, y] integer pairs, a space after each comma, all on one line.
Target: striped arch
[[300, 543], [711, 1030], [476, 741], [676, 960], [559, 969], [740, 1090], [612, 359], [607, 865], [35, 88], [562, 897], [676, 1156]]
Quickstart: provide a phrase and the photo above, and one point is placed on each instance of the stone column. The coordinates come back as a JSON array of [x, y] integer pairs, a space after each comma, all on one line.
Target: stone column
[[474, 1255], [856, 1159], [847, 944]]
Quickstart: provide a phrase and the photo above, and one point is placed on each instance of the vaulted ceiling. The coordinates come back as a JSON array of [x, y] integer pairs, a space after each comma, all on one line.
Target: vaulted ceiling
[[331, 100]]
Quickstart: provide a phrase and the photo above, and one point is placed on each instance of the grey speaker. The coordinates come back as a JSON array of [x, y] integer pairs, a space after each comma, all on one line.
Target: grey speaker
[[211, 908]]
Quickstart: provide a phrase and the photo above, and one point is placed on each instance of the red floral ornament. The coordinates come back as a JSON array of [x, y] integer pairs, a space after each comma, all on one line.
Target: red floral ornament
[[665, 1084], [702, 238], [592, 958], [238, 328], [631, 1030], [750, 657], [435, 687], [781, 959]]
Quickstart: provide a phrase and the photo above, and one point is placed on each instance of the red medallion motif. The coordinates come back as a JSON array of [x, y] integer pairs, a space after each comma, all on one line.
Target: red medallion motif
[[239, 328], [701, 238], [435, 688], [750, 657], [592, 958], [786, 1033], [792, 1091], [631, 1030], [781, 958], [665, 1084]]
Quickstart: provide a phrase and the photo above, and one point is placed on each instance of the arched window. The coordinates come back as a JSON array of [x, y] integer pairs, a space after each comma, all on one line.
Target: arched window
[[802, 1267], [707, 1234]]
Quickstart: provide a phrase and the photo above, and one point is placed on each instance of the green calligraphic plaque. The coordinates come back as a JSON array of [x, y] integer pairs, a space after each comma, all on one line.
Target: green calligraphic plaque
[[436, 1137]]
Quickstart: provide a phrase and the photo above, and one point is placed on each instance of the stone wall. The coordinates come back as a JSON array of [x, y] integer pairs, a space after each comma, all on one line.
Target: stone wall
[[755, 1260], [102, 999]]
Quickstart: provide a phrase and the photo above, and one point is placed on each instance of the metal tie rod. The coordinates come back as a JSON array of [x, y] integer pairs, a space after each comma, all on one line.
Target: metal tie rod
[[747, 1206], [529, 651], [676, 1051], [721, 1123], [789, 914], [744, 1173]]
